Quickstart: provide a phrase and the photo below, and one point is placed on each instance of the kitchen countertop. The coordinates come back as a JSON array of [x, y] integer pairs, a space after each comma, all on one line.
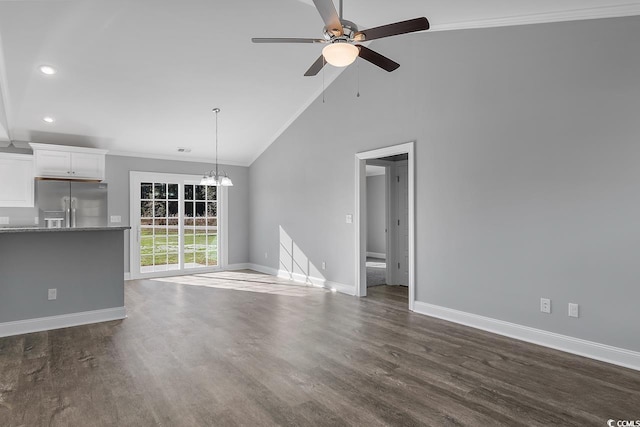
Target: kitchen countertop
[[35, 229]]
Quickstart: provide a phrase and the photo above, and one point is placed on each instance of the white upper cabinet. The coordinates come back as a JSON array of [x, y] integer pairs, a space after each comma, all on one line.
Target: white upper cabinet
[[16, 180], [60, 161], [53, 163]]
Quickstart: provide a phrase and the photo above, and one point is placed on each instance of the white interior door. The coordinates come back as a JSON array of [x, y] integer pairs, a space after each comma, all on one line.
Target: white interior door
[[402, 225], [175, 225]]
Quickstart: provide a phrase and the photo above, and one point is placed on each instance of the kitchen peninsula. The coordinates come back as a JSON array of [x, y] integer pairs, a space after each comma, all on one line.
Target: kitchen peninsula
[[83, 265]]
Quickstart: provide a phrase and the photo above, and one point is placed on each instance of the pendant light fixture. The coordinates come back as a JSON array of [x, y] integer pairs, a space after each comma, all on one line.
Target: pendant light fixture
[[215, 177]]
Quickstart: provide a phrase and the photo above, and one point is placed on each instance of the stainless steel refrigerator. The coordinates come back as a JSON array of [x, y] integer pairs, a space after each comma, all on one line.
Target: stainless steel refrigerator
[[71, 204]]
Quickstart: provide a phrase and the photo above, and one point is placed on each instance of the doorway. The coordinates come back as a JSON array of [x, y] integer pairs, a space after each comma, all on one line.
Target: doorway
[[376, 214], [177, 225], [398, 256]]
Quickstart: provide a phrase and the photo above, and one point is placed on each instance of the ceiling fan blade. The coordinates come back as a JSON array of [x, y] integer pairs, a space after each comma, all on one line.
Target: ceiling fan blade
[[329, 15], [286, 40], [403, 27], [376, 59], [316, 67]]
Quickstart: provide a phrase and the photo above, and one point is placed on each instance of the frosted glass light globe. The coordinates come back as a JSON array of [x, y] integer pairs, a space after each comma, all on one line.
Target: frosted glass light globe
[[340, 54]]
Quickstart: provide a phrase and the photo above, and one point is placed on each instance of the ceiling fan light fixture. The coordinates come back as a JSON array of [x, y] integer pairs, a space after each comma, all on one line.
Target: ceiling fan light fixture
[[47, 69], [340, 54]]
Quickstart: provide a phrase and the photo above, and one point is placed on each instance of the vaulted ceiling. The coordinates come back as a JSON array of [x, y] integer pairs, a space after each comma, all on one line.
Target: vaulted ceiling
[[141, 76]]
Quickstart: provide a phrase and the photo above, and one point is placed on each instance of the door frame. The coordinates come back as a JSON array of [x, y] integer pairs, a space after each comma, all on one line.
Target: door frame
[[361, 215], [134, 213]]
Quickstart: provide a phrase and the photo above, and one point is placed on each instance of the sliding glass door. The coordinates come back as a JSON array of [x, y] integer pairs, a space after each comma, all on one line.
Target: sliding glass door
[[159, 234], [175, 225], [200, 223]]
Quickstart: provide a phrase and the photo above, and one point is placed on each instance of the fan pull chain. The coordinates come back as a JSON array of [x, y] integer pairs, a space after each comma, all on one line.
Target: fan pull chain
[[323, 67], [358, 76]]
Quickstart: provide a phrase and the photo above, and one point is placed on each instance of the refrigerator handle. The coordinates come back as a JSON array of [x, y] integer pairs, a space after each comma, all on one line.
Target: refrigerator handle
[[73, 203], [67, 212]]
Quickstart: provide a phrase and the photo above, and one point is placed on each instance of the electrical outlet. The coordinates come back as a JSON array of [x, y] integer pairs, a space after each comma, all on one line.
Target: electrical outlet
[[324, 265], [36, 220], [116, 219], [545, 305], [4, 220], [573, 310], [266, 255], [349, 219], [52, 294]]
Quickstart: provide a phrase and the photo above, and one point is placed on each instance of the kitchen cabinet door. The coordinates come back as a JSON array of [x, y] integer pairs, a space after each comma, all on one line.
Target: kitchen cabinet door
[[16, 180], [60, 161], [53, 163], [87, 166]]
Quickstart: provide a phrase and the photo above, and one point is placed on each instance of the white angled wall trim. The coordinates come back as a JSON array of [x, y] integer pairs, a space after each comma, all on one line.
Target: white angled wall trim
[[613, 11], [62, 321], [605, 353]]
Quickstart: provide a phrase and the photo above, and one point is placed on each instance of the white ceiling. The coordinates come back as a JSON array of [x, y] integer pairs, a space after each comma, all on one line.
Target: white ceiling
[[141, 76]]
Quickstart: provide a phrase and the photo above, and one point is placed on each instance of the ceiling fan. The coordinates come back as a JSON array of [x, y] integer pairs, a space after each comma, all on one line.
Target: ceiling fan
[[340, 36]]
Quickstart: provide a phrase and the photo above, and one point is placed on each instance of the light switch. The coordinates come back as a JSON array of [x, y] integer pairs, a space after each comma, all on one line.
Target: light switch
[[116, 219], [4, 220], [573, 310]]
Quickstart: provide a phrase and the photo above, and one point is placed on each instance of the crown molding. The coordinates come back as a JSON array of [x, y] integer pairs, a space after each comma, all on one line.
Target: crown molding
[[617, 11], [176, 158]]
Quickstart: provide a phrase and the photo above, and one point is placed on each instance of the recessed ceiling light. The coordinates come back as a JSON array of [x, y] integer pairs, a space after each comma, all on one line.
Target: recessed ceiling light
[[47, 69], [49, 119]]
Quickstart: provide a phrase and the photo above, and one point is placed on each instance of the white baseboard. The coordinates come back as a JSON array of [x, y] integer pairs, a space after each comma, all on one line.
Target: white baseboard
[[304, 280], [340, 287], [263, 269], [127, 276], [28, 326], [236, 267], [605, 353], [377, 255], [317, 282]]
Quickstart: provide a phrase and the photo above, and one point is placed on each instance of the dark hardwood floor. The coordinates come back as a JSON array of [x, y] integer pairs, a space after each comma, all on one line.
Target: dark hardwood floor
[[247, 349]]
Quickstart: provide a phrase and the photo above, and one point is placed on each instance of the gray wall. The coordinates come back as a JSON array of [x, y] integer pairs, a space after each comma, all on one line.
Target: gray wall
[[117, 175], [376, 214], [84, 266], [527, 177]]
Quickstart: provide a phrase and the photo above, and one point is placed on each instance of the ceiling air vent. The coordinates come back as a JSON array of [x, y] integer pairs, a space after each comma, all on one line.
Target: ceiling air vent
[[184, 150]]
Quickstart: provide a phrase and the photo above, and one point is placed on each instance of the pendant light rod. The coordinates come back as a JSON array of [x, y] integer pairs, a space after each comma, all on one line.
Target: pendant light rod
[[216, 176], [340, 9], [216, 110]]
